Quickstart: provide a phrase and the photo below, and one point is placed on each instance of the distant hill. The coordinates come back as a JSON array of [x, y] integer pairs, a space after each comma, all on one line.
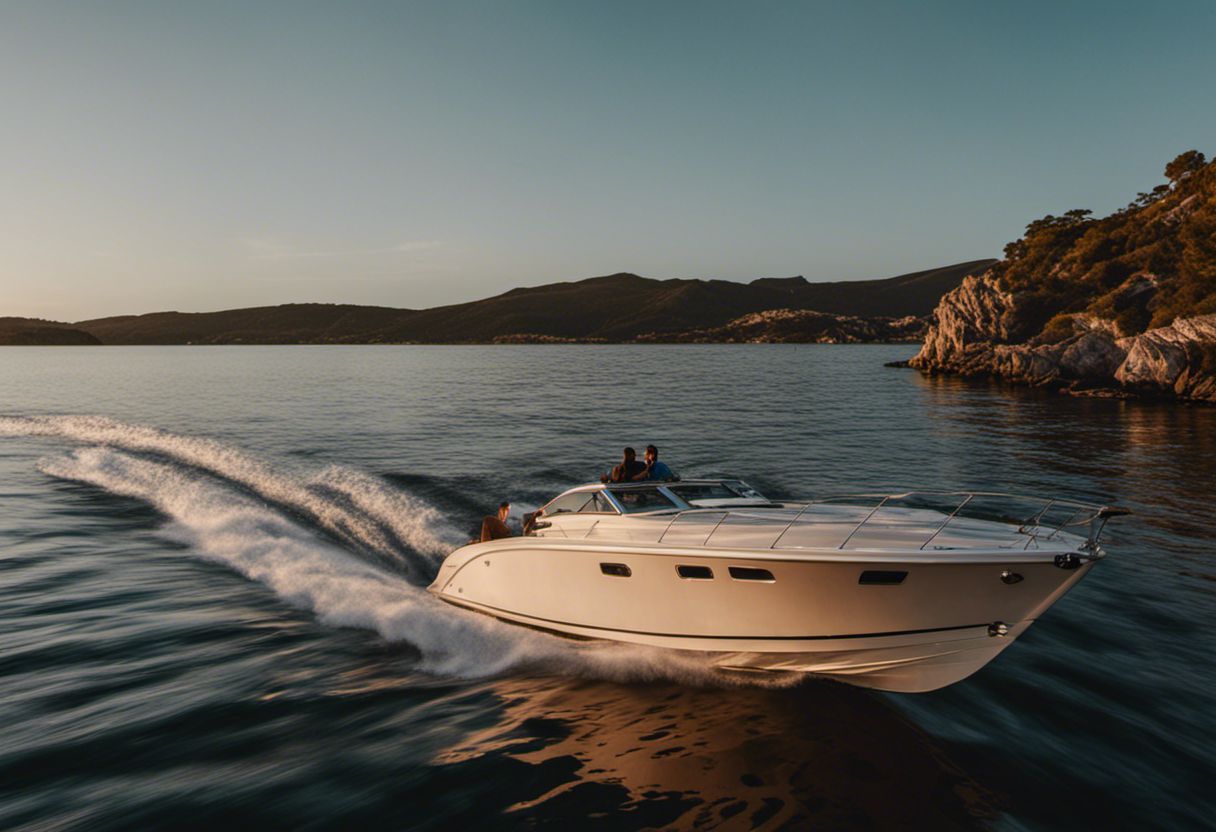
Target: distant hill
[[614, 308], [29, 332]]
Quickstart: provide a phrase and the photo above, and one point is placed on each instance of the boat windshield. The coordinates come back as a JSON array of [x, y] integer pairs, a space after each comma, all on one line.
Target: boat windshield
[[743, 489], [636, 500], [727, 490], [570, 503], [598, 504]]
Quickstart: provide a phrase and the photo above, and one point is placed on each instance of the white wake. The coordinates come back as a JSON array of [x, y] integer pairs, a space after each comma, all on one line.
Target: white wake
[[191, 481], [361, 510]]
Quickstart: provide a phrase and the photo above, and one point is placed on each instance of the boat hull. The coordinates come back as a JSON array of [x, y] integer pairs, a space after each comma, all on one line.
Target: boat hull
[[935, 621]]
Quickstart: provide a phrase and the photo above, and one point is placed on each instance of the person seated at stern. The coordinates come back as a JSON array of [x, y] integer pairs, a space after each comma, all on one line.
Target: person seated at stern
[[495, 526], [655, 470], [627, 470]]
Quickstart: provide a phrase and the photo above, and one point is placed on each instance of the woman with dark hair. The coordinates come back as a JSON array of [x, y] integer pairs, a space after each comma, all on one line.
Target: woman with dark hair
[[628, 469]]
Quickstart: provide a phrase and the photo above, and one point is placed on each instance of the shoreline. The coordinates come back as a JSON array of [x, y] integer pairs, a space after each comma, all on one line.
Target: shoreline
[[494, 344], [1073, 388]]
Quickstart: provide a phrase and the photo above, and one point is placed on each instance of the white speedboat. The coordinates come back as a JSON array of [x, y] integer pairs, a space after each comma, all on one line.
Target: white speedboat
[[904, 592]]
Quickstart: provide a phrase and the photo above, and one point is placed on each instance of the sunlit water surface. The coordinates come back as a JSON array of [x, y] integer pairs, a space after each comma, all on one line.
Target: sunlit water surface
[[212, 605]]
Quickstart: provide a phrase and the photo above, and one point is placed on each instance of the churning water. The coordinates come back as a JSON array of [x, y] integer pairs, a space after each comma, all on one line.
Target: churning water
[[213, 565]]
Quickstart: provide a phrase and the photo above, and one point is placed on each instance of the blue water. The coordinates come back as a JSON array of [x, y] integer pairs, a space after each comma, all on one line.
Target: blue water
[[212, 563]]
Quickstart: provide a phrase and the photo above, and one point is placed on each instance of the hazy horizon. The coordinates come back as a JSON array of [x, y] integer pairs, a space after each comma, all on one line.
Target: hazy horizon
[[232, 155]]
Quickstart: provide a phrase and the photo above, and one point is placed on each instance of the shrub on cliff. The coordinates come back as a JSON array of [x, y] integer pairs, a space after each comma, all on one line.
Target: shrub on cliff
[[1077, 263], [1058, 329]]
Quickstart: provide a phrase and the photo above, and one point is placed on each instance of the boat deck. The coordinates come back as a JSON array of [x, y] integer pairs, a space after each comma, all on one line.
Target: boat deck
[[909, 522]]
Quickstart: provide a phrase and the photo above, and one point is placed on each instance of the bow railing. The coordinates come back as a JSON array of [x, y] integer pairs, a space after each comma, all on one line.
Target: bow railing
[[910, 520]]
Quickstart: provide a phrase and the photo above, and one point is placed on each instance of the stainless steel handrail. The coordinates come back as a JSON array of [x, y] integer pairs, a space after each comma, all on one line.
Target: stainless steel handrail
[[667, 528], [680, 514], [721, 520], [1087, 512], [1067, 522], [946, 522], [790, 525], [863, 522], [1034, 521]]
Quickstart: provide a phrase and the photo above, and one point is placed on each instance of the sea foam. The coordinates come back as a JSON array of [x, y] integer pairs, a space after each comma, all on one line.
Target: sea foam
[[213, 496], [361, 510]]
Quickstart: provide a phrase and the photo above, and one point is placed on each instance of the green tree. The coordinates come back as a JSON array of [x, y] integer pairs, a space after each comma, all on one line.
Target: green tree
[[1184, 165]]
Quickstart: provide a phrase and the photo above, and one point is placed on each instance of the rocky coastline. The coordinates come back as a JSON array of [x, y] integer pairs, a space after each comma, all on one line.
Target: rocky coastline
[[973, 327], [1124, 305]]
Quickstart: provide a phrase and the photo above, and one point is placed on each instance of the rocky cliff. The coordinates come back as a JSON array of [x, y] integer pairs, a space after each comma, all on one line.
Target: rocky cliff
[[1124, 305], [970, 336]]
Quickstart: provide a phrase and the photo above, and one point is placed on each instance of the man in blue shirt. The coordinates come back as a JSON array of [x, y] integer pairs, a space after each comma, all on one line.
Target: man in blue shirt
[[654, 469]]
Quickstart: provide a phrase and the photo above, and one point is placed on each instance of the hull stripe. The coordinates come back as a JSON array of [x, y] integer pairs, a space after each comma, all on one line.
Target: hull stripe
[[477, 606]]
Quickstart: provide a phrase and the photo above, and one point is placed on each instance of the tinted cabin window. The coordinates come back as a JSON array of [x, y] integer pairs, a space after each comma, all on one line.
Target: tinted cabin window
[[747, 573], [703, 491], [569, 503], [616, 570], [634, 500], [702, 573], [878, 576]]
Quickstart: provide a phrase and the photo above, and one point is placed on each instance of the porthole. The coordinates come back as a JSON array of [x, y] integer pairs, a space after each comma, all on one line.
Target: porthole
[[750, 573], [695, 573], [879, 576]]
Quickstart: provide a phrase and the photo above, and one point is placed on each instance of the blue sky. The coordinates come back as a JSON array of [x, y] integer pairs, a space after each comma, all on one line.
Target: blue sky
[[214, 155]]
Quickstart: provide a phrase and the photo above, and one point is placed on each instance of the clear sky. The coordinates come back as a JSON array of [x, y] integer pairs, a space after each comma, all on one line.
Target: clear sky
[[196, 156]]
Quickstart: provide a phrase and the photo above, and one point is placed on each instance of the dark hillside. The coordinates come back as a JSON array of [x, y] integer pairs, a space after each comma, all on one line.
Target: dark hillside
[[32, 332], [293, 323], [619, 307], [616, 307], [910, 294]]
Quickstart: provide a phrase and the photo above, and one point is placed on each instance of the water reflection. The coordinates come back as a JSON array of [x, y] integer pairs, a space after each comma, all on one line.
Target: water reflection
[[1135, 452], [234, 705], [632, 756]]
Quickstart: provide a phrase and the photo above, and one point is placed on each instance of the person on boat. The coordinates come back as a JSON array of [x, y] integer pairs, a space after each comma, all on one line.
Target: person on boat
[[628, 469], [531, 519], [653, 469], [495, 526]]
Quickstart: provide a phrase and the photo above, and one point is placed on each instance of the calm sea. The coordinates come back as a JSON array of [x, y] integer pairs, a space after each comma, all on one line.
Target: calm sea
[[212, 603]]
